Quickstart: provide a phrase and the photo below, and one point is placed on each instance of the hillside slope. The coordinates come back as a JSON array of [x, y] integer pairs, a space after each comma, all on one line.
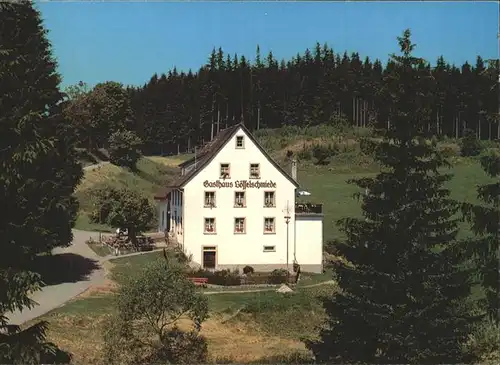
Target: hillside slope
[[153, 173]]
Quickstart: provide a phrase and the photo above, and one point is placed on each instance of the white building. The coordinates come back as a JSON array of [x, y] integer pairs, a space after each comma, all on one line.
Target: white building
[[233, 206]]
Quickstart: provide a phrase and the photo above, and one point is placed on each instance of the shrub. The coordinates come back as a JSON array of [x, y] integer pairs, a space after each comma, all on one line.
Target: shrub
[[278, 276], [248, 270], [448, 151], [469, 144], [304, 154], [181, 347], [225, 277], [323, 153], [483, 344], [220, 277]]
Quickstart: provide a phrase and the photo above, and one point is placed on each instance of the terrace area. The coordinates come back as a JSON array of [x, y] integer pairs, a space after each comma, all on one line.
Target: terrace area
[[308, 208]]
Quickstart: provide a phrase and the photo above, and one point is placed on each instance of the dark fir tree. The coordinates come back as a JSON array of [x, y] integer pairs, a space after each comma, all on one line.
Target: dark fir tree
[[404, 292], [38, 174], [485, 221]]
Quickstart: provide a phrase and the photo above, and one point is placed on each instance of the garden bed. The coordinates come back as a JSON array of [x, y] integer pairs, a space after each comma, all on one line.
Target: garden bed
[[227, 278]]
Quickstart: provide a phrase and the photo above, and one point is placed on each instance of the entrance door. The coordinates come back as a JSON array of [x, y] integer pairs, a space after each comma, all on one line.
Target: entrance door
[[209, 258]]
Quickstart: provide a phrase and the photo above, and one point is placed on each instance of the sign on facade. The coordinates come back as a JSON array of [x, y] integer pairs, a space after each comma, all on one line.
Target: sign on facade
[[240, 184]]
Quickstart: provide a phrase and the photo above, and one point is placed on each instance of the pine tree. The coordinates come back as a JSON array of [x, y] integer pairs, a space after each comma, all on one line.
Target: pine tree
[[404, 292], [485, 221], [38, 174]]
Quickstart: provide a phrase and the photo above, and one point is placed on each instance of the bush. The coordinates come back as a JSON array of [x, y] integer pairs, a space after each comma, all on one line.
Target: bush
[[304, 154], [248, 270], [179, 347], [220, 277], [278, 276], [469, 144], [448, 151], [483, 344], [225, 277], [323, 153]]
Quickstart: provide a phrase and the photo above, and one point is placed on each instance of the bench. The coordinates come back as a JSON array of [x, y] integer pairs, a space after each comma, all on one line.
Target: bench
[[199, 281]]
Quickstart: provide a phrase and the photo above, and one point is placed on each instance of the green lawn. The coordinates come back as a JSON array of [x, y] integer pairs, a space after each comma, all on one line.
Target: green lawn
[[90, 306], [127, 266], [83, 222], [100, 249], [332, 190]]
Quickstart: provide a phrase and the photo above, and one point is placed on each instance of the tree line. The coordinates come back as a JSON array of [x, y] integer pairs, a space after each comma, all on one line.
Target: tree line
[[179, 110]]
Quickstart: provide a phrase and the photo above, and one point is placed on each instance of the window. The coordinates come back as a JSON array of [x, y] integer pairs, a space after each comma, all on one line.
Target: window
[[254, 171], [239, 225], [210, 225], [240, 142], [239, 199], [209, 199], [269, 199], [269, 225], [269, 248], [224, 171]]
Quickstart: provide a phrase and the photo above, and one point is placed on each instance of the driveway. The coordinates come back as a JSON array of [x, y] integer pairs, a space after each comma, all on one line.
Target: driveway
[[70, 271]]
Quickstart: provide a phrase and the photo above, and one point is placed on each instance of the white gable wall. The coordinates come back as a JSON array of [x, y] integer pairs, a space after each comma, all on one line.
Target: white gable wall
[[309, 241], [238, 250]]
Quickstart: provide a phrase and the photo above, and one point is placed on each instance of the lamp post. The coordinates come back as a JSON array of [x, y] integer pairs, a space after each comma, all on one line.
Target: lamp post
[[287, 221]]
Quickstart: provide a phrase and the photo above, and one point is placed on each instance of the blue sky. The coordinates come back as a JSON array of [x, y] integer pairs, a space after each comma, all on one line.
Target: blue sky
[[128, 42]]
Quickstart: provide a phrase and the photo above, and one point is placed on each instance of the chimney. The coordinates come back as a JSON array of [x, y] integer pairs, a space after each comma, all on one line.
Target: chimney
[[294, 169]]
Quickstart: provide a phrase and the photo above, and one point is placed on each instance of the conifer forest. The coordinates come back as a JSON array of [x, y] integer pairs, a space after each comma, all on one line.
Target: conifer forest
[[315, 87]]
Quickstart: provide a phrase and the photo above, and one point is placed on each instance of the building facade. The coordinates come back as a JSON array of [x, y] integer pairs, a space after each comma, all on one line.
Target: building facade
[[233, 205]]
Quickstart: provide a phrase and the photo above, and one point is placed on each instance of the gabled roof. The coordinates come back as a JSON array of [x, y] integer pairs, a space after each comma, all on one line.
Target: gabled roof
[[212, 147], [208, 153]]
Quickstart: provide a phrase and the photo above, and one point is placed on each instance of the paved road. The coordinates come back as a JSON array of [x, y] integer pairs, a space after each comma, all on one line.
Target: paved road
[[54, 296]]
